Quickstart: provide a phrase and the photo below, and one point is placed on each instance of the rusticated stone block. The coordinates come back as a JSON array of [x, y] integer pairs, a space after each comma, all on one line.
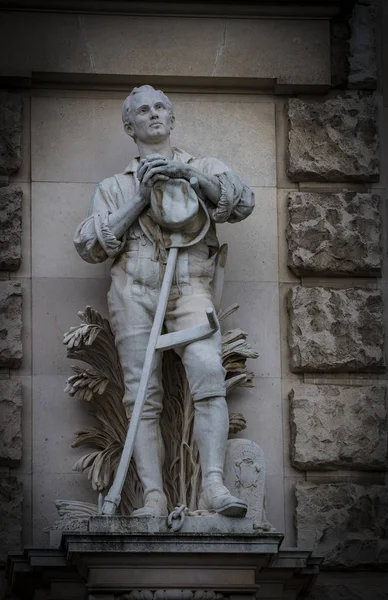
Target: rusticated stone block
[[335, 330], [11, 228], [10, 324], [344, 522], [10, 421], [333, 140], [362, 46], [338, 427], [11, 109], [11, 502], [346, 592], [334, 234]]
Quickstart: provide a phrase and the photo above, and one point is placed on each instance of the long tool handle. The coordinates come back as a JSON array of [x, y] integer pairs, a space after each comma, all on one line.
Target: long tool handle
[[112, 500]]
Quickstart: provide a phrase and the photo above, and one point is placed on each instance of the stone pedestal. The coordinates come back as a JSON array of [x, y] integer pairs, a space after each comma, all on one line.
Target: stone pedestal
[[114, 561]]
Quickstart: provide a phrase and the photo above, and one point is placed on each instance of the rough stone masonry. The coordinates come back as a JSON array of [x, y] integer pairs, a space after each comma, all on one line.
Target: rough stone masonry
[[338, 427], [334, 330], [334, 139], [335, 235]]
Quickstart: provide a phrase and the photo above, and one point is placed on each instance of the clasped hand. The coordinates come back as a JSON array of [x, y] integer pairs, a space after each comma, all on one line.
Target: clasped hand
[[155, 168]]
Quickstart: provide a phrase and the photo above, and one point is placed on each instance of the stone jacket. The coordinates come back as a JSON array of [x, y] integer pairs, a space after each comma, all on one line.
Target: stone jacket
[[95, 242]]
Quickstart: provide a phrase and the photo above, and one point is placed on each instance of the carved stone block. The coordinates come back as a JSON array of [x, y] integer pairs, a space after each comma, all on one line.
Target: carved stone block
[[334, 139], [344, 522], [11, 108], [10, 324], [362, 46], [338, 427], [244, 476], [334, 234], [335, 330], [11, 501], [11, 228], [10, 421]]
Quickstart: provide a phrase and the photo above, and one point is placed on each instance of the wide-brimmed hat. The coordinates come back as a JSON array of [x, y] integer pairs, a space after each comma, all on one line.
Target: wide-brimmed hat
[[177, 216]]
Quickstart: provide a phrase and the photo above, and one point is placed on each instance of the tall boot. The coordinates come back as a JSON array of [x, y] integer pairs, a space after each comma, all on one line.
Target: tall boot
[[211, 426], [149, 458]]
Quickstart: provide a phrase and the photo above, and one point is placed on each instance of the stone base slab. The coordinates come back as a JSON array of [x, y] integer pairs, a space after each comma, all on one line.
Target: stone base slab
[[163, 566], [211, 525]]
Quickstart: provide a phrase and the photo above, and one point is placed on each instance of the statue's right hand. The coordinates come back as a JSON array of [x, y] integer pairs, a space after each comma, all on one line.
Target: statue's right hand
[[150, 161]]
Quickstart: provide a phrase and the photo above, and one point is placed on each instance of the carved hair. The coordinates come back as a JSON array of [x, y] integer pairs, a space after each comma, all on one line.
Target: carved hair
[[127, 105]]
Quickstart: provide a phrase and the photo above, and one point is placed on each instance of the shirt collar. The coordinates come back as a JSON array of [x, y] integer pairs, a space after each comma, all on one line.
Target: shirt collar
[[179, 155]]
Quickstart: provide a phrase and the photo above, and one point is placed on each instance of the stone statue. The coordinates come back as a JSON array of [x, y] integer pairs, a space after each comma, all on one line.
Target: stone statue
[[132, 218]]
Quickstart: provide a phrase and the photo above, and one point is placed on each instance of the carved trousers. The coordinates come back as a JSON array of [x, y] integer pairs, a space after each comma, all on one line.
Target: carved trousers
[[132, 311]]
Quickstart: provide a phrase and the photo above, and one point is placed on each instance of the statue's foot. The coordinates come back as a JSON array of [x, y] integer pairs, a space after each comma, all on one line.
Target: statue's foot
[[217, 497], [154, 507]]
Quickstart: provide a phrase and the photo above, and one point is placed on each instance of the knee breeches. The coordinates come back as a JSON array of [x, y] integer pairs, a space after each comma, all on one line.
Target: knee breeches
[[131, 318]]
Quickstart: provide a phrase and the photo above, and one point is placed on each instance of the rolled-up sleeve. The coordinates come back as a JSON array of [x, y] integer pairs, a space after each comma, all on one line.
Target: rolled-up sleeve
[[93, 238], [237, 200]]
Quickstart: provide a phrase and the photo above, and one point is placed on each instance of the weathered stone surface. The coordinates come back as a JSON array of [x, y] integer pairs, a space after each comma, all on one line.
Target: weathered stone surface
[[11, 228], [344, 522], [334, 234], [209, 524], [10, 324], [332, 592], [335, 330], [10, 421], [333, 140], [11, 109], [339, 47], [338, 427], [11, 501], [344, 592], [362, 46], [353, 45]]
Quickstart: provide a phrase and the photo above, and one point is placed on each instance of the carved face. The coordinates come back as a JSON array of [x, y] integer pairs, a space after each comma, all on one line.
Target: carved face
[[150, 118]]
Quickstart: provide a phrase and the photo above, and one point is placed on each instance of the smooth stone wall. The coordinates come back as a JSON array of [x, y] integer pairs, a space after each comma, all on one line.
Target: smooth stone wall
[[289, 50]]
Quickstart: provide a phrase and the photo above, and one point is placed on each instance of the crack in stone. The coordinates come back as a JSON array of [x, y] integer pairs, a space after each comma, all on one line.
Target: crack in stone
[[88, 49], [220, 49]]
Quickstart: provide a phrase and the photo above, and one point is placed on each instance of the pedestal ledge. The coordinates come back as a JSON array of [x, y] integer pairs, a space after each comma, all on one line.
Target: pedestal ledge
[[107, 564], [211, 525]]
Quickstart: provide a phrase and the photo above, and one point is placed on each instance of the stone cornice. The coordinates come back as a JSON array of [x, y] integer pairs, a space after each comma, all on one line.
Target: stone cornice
[[214, 8]]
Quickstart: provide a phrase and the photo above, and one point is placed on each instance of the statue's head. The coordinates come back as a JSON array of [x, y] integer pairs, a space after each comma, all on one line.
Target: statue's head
[[147, 114]]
